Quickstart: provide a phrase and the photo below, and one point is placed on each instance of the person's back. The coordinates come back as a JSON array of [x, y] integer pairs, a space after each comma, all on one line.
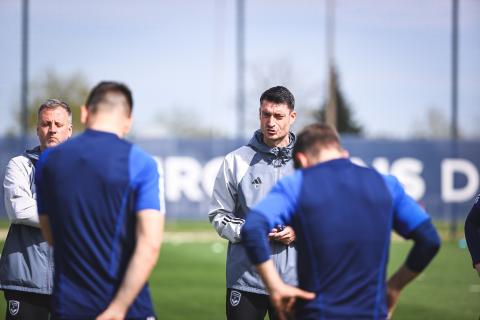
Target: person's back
[[345, 231], [343, 215], [96, 216], [104, 209]]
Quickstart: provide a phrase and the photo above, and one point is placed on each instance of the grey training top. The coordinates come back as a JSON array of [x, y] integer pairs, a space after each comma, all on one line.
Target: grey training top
[[26, 263], [245, 177]]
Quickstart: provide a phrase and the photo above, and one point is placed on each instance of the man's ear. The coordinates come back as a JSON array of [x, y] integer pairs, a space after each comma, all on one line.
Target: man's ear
[[127, 125], [70, 128], [83, 114], [293, 116], [302, 159]]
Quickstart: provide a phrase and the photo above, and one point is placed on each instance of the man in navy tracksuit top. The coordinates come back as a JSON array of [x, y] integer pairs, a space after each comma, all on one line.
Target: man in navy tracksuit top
[[472, 233], [343, 215], [100, 205]]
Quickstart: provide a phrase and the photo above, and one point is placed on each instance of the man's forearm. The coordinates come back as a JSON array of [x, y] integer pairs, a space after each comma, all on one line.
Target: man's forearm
[[395, 286], [254, 238], [269, 275], [227, 226], [401, 278], [144, 258], [21, 208], [138, 271]]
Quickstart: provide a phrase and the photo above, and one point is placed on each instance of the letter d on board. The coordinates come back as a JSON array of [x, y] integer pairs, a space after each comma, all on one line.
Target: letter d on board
[[461, 166]]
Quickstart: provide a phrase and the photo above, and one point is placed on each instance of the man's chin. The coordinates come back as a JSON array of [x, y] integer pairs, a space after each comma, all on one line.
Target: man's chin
[[52, 144], [271, 136]]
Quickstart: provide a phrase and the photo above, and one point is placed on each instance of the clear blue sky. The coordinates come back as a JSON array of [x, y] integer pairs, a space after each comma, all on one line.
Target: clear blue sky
[[393, 57]]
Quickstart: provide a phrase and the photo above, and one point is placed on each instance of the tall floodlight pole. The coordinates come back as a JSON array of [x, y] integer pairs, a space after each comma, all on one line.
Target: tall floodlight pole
[[454, 105], [218, 86], [24, 73], [454, 80], [331, 108], [240, 68]]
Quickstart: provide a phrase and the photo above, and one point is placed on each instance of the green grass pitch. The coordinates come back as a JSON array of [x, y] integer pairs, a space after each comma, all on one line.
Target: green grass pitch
[[189, 282]]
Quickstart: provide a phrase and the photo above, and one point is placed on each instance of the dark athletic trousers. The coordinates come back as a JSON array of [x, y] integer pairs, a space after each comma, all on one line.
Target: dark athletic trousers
[[242, 305], [26, 305]]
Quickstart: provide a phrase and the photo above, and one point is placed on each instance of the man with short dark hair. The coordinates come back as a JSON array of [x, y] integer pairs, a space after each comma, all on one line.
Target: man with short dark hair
[[343, 215], [26, 264], [246, 175], [100, 204]]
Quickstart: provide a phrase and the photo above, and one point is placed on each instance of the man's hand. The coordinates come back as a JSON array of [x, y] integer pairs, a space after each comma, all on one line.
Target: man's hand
[[477, 266], [282, 296], [286, 236], [113, 312], [283, 299]]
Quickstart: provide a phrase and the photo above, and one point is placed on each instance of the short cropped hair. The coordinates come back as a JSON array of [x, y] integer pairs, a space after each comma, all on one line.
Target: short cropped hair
[[313, 138], [279, 95], [53, 104], [100, 92]]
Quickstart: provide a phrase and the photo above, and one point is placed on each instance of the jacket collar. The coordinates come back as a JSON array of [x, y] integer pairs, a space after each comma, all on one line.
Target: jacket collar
[[33, 154], [280, 156]]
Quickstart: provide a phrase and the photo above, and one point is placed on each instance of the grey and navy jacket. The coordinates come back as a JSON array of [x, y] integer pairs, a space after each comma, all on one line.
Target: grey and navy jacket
[[26, 263], [245, 177]]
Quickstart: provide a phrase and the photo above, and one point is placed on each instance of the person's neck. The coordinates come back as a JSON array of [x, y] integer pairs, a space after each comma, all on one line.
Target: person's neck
[[331, 154], [106, 127]]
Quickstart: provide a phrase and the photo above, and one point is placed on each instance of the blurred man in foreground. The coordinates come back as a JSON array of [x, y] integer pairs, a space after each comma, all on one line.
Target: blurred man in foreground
[[343, 215], [100, 206], [26, 264], [472, 233], [246, 175]]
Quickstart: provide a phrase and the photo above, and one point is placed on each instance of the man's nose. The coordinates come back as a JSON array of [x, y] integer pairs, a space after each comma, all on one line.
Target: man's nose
[[270, 122]]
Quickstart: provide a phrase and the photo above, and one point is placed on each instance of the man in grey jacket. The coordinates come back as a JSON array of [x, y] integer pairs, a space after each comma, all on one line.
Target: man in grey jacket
[[245, 177], [26, 264]]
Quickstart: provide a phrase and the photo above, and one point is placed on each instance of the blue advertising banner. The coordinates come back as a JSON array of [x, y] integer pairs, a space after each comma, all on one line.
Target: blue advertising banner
[[442, 177]]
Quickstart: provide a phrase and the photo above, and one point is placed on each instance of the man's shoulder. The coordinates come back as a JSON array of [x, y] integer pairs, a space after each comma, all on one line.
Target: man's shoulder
[[242, 151], [19, 159], [139, 157], [371, 172], [19, 162], [386, 180]]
